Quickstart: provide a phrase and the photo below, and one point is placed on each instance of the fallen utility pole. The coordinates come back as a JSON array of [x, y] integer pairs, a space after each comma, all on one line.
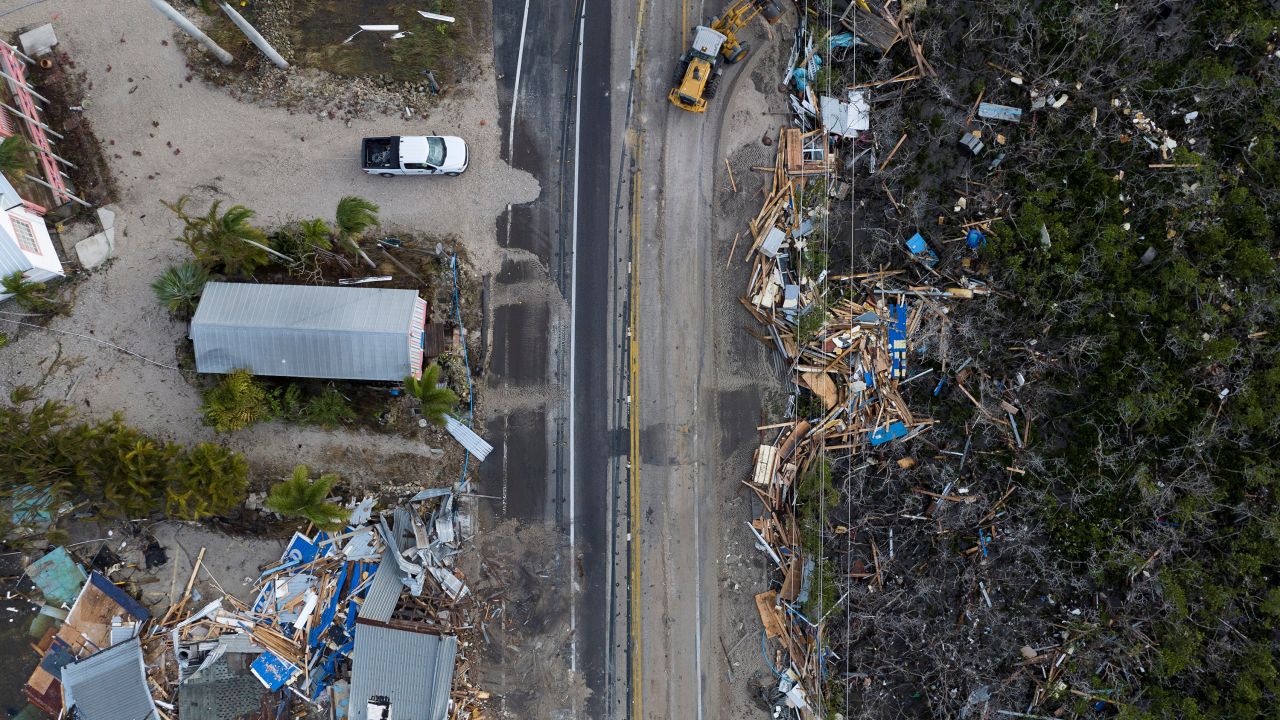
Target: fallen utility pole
[[254, 36], [189, 28]]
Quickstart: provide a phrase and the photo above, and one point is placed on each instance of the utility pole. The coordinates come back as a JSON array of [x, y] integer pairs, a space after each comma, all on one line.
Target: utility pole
[[254, 36], [189, 28]]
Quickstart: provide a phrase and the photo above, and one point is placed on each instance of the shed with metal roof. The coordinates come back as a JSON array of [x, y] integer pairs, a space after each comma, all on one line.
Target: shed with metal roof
[[411, 670], [339, 333]]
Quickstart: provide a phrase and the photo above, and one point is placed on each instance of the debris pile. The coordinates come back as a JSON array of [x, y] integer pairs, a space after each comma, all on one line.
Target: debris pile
[[847, 340], [377, 613]]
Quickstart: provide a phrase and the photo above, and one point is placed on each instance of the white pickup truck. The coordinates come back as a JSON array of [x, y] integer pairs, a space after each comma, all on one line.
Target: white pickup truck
[[414, 155]]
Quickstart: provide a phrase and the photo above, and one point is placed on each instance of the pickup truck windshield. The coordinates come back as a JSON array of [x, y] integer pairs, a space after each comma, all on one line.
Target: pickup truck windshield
[[435, 151]]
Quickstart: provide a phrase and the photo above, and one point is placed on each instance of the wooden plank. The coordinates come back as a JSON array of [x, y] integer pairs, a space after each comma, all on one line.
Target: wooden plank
[[893, 152], [872, 28]]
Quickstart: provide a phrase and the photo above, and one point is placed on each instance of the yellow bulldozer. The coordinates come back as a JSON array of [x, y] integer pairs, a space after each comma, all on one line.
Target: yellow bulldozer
[[698, 75]]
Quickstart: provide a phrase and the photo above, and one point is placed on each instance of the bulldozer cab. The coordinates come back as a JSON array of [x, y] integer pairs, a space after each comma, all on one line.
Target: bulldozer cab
[[707, 42]]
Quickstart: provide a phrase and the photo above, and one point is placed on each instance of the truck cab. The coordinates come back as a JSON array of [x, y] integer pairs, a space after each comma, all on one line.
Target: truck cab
[[414, 155]]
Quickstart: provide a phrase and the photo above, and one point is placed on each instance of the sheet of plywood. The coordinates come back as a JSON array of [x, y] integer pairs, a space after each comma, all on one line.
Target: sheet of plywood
[[770, 616], [822, 386]]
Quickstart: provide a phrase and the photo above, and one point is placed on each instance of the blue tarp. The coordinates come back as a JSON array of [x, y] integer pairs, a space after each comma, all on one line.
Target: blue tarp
[[844, 39], [919, 248]]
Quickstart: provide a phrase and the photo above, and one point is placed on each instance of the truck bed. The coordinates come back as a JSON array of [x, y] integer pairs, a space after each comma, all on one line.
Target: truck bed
[[381, 153]]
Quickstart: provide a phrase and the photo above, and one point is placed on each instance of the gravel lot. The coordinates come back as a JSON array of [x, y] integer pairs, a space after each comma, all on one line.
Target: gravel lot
[[194, 139]]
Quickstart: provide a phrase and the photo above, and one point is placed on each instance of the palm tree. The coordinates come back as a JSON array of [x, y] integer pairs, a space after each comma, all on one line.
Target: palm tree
[[437, 402], [29, 295], [15, 157], [354, 216], [315, 234], [222, 237], [180, 286], [300, 496]]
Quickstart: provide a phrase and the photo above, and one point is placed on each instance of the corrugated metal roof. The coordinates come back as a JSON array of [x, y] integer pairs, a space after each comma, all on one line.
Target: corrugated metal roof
[[304, 331], [414, 670], [384, 592], [109, 685], [468, 438]]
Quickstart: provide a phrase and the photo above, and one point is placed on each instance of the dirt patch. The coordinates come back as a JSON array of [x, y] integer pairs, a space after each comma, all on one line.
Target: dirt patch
[[526, 647], [340, 71]]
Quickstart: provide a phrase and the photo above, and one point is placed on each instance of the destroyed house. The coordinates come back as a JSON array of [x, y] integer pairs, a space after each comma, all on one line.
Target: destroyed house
[[223, 687], [101, 617], [337, 333], [401, 674]]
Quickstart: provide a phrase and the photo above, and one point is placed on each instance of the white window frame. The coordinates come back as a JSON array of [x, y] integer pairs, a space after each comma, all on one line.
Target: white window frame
[[21, 225]]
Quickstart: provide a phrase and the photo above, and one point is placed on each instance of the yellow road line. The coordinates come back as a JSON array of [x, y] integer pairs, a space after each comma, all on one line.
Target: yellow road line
[[636, 140], [637, 665], [684, 25]]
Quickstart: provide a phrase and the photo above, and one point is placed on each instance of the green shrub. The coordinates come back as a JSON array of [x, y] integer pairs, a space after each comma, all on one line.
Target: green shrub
[[237, 402], [179, 287], [329, 409]]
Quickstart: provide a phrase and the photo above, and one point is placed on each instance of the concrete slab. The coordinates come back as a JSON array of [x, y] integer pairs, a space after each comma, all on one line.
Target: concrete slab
[[93, 250], [38, 41], [107, 217]]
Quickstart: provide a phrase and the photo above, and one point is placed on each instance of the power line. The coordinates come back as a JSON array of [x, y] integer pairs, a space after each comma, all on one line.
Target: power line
[[90, 338]]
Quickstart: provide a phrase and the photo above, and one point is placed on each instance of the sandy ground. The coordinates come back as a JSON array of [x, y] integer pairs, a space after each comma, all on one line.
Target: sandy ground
[[165, 137]]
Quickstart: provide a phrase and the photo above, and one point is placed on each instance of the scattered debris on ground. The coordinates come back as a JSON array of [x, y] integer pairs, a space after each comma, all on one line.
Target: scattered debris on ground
[[382, 611]]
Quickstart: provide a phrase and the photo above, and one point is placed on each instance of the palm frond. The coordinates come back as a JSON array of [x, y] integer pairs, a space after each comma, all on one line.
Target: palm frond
[[355, 215]]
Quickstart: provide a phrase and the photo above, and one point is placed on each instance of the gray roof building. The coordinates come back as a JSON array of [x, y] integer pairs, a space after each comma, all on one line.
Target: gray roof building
[[413, 670], [109, 685], [340, 333], [223, 688]]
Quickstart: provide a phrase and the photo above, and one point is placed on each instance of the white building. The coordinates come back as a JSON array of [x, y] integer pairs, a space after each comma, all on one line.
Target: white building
[[25, 245]]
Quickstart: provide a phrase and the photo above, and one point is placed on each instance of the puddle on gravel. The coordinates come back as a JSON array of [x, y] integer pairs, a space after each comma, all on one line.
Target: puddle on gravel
[[428, 45]]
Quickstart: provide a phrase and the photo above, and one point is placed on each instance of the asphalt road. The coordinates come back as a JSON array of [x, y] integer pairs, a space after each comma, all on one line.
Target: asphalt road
[[699, 402], [617, 162], [558, 452]]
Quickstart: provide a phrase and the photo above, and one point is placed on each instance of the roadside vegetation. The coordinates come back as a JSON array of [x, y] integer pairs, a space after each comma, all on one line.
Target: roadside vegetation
[[1123, 562], [56, 463]]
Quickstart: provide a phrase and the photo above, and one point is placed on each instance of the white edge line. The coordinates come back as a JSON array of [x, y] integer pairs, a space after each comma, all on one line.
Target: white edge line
[[573, 343], [515, 92]]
